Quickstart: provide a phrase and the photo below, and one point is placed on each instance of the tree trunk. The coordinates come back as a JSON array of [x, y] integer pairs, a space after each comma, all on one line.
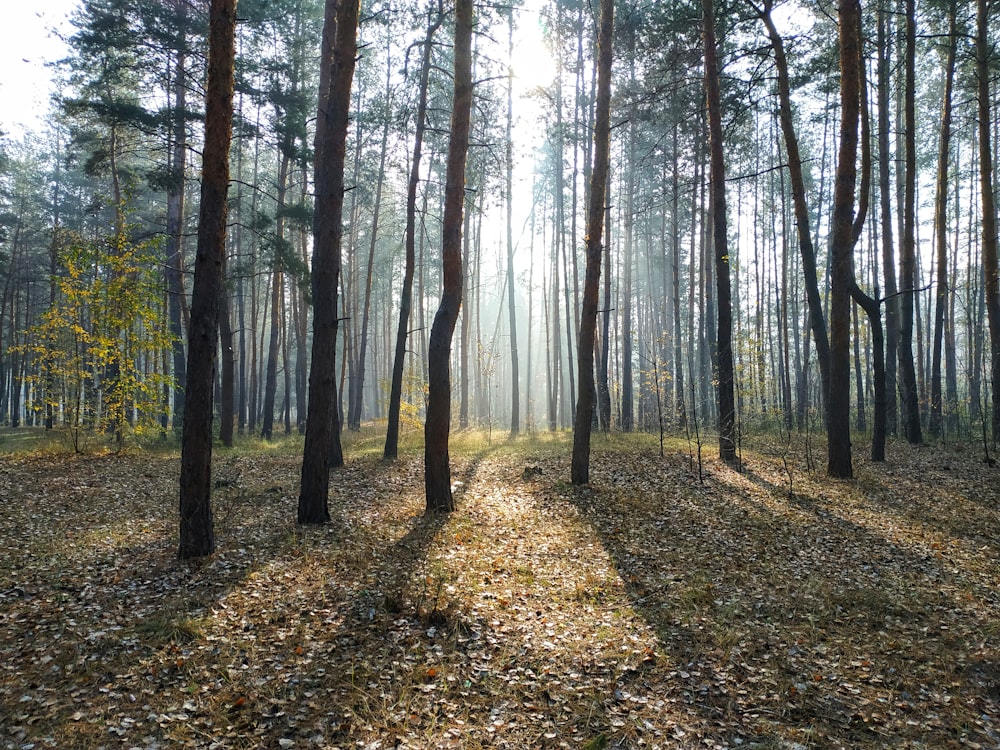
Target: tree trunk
[[935, 424], [907, 252], [724, 350], [174, 270], [989, 217], [437, 470], [515, 386], [322, 441], [817, 323], [580, 468], [197, 537], [841, 247], [406, 296], [885, 222], [226, 392]]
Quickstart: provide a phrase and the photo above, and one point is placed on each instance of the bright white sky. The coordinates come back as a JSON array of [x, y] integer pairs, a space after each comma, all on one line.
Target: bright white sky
[[27, 42]]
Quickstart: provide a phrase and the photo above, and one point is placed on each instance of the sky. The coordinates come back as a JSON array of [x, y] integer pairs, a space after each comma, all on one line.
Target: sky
[[26, 44]]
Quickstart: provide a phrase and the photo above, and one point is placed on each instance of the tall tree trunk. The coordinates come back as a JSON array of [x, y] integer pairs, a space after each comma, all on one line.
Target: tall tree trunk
[[991, 274], [885, 222], [197, 537], [935, 424], [322, 441], [842, 245], [580, 467], [277, 308], [817, 323], [437, 469], [724, 370], [174, 270], [355, 409], [406, 296], [907, 252], [515, 386]]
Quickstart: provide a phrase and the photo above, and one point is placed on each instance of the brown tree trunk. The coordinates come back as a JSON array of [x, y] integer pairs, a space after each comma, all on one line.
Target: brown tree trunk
[[841, 247], [935, 423], [907, 252], [580, 468], [174, 270], [885, 222], [437, 469], [197, 537], [322, 441], [724, 327], [817, 323], [989, 218], [406, 297]]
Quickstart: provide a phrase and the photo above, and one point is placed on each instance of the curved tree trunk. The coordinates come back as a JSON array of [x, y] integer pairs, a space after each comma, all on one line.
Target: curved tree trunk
[[817, 322], [196, 534], [437, 469]]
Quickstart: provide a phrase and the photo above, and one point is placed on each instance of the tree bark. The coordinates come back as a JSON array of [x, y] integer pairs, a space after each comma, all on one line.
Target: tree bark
[[406, 296], [724, 326], [991, 273], [907, 251], [935, 424], [841, 247], [580, 467], [322, 440], [817, 322], [437, 469], [197, 537]]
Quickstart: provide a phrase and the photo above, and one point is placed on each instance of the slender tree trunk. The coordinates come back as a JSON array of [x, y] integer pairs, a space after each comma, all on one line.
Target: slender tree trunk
[[817, 323], [197, 537], [406, 296], [580, 468], [437, 469], [322, 440], [885, 222], [991, 274], [724, 370], [515, 386], [226, 392], [907, 252], [354, 418], [935, 424], [174, 270]]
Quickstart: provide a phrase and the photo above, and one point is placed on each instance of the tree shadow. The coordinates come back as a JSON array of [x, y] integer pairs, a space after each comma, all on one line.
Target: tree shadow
[[784, 620]]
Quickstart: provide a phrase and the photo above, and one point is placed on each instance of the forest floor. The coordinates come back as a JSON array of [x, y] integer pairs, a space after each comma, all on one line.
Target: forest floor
[[768, 608]]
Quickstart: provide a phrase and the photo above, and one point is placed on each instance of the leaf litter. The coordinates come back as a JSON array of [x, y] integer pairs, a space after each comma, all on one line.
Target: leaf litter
[[650, 609]]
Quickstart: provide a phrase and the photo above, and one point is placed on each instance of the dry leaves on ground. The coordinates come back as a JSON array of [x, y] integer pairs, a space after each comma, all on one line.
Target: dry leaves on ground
[[648, 610]]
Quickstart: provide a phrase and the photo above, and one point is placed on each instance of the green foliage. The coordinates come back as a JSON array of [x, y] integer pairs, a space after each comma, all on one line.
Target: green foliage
[[101, 344]]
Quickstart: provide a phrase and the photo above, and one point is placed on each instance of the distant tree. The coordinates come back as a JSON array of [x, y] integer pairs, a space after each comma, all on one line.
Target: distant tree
[[437, 468], [409, 240], [197, 537]]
